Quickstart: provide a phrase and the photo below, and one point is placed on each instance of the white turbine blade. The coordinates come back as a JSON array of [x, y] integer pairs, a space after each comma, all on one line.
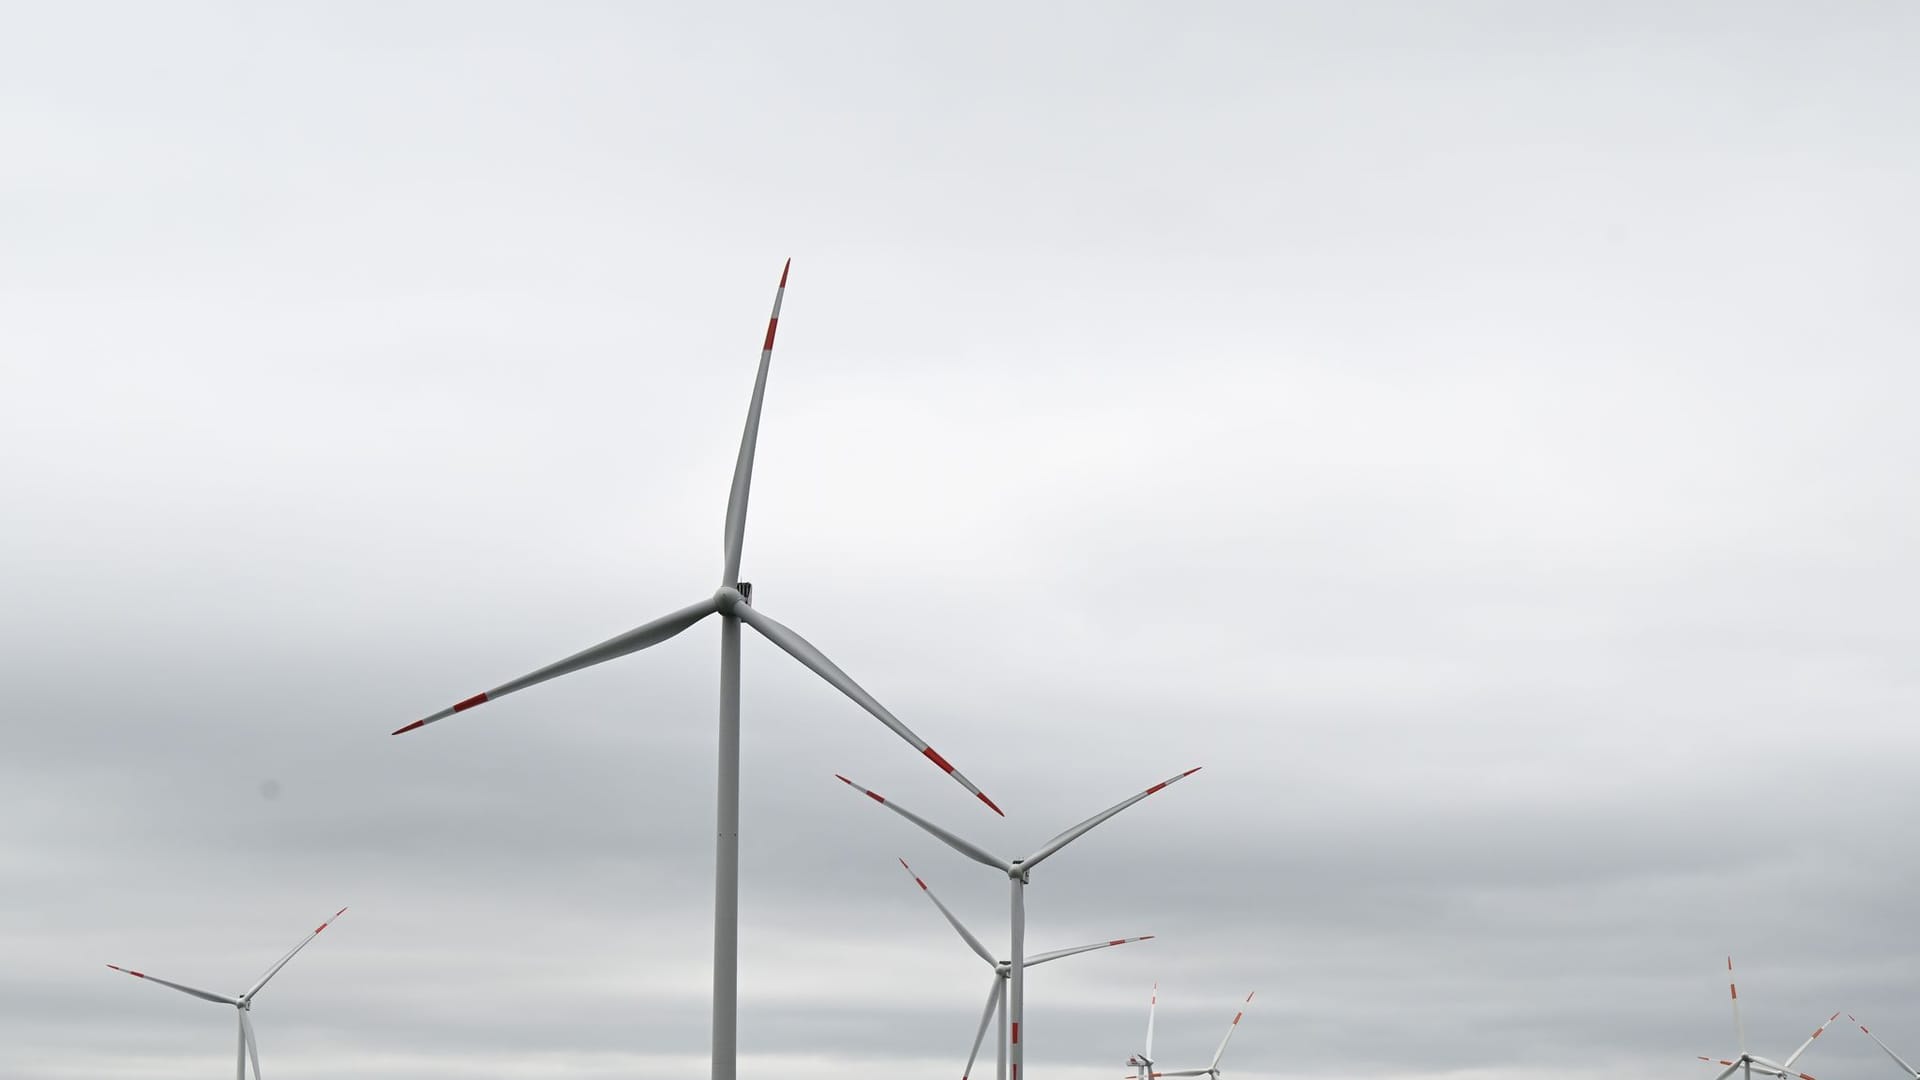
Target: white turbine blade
[[206, 995], [964, 847], [986, 1017], [749, 438], [1058, 953], [1795, 1056], [275, 969], [1185, 1072], [1734, 993], [802, 650], [632, 641], [1229, 1035], [1081, 829], [1153, 1003], [1876, 1040], [972, 942], [253, 1043]]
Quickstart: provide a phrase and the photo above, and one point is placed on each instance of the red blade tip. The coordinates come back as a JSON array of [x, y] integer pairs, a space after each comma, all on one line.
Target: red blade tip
[[989, 802], [410, 727], [783, 280]]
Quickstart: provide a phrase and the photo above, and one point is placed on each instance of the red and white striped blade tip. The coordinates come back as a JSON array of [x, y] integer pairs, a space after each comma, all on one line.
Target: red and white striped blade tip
[[946, 766], [462, 706], [783, 273], [329, 921], [1182, 776]]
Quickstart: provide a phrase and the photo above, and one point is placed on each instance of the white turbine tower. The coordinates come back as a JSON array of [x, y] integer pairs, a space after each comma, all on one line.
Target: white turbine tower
[[1897, 1059], [732, 602], [996, 995], [249, 1046], [1213, 1067], [1016, 871], [1142, 1062], [1751, 1065]]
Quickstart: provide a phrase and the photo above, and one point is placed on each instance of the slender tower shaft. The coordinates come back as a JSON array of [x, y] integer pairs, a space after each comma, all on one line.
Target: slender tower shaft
[[1017, 973], [726, 876]]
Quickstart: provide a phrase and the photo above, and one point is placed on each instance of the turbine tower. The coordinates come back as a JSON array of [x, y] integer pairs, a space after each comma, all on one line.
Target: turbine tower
[[996, 995], [733, 603], [1016, 871], [243, 1005], [1751, 1065]]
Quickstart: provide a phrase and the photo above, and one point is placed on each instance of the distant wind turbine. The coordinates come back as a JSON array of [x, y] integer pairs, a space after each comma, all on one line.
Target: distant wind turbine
[[1016, 871], [249, 1046], [1898, 1060], [733, 603], [1213, 1067], [996, 996], [1142, 1062], [1751, 1065]]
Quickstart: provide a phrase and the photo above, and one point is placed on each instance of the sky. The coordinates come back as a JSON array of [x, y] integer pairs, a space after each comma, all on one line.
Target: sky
[[1478, 434]]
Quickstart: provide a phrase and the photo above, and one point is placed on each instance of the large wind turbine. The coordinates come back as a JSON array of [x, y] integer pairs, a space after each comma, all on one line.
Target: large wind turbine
[[996, 996], [733, 603], [1751, 1065], [249, 1046], [1897, 1059], [1016, 871], [1213, 1067]]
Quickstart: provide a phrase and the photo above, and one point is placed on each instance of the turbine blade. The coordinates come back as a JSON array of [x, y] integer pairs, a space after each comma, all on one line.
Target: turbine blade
[[633, 640], [253, 1043], [275, 969], [1876, 1040], [1732, 1067], [972, 942], [1081, 829], [802, 650], [986, 1017], [1058, 953], [1795, 1056], [970, 850], [743, 466], [1184, 1072], [1153, 1003], [205, 995], [1229, 1035]]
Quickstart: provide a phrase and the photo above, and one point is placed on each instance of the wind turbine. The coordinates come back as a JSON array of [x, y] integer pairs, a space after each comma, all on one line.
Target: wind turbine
[[1213, 1067], [733, 603], [1016, 871], [1911, 1071], [1753, 1064], [996, 997], [1142, 1062], [249, 1046]]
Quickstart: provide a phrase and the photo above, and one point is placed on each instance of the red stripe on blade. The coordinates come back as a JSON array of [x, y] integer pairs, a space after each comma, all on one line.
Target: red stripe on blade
[[934, 756], [772, 325], [477, 699], [875, 796], [989, 802]]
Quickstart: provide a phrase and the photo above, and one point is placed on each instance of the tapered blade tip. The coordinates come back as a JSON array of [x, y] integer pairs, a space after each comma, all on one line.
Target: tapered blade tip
[[990, 805], [844, 780], [783, 273], [409, 727]]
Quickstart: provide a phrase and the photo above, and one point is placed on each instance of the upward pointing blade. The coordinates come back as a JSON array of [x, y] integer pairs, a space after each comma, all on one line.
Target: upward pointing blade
[[275, 969], [802, 650], [1229, 1035], [965, 847], [1876, 1040], [1795, 1056], [1152, 1004], [633, 640], [743, 466], [1733, 992], [1081, 829], [204, 995], [967, 935]]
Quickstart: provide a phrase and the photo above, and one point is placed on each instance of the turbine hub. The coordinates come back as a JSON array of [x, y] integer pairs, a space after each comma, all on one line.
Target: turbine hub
[[727, 596]]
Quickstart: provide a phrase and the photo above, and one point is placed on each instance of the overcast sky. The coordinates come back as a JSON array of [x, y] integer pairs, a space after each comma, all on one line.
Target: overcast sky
[[1480, 434]]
